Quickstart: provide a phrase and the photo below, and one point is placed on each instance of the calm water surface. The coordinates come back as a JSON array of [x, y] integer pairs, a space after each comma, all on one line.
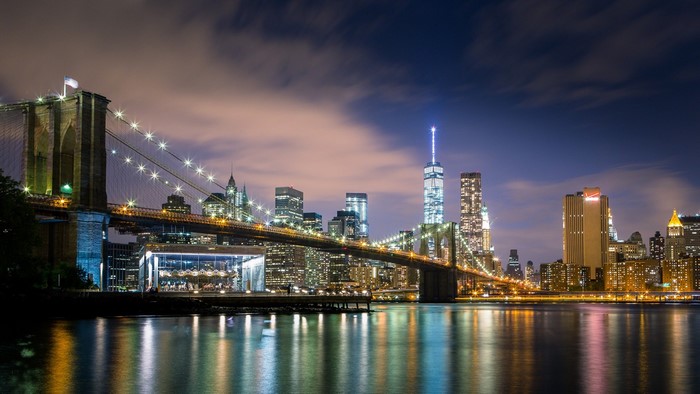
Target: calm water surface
[[489, 348]]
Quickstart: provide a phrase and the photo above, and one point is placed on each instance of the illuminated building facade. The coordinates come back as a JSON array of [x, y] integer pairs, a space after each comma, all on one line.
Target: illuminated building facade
[[612, 232], [433, 190], [632, 249], [559, 276], [284, 265], [675, 239], [317, 267], [471, 219], [696, 272], [678, 274], [486, 230], [691, 233], [122, 267], [585, 230], [202, 267], [289, 205], [177, 204], [632, 275], [657, 247], [513, 270], [344, 224], [358, 202], [316, 260], [232, 204], [530, 271], [313, 221]]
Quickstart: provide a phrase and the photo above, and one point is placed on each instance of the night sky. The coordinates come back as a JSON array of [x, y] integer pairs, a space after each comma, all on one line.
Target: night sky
[[543, 98]]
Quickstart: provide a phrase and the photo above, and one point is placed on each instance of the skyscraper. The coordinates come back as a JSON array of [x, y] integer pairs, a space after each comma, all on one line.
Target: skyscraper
[[471, 219], [514, 271], [675, 239], [486, 228], [316, 260], [691, 232], [289, 205], [358, 202], [345, 224], [585, 229], [433, 192], [657, 247], [313, 221]]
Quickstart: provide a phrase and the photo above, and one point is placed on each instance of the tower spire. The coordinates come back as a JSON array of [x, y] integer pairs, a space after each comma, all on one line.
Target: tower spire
[[432, 130]]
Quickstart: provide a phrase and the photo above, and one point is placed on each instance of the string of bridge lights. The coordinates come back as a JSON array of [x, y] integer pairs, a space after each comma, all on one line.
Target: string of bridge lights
[[188, 163]]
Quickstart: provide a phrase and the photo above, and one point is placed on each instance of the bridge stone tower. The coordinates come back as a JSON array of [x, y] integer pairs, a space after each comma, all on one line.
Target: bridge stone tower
[[439, 285], [64, 155]]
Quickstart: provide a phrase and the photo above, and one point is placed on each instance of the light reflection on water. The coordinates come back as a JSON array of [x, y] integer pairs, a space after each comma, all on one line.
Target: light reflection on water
[[398, 348]]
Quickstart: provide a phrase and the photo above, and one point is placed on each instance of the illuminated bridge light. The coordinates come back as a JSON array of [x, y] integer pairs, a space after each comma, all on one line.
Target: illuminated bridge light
[[188, 162], [127, 160], [162, 145], [141, 168], [119, 114], [149, 136], [134, 125], [200, 170]]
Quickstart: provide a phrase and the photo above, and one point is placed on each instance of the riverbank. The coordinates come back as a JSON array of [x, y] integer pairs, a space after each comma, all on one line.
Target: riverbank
[[51, 304]]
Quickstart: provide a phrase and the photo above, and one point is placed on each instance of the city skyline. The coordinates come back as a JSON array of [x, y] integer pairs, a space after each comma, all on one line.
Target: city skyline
[[336, 100]]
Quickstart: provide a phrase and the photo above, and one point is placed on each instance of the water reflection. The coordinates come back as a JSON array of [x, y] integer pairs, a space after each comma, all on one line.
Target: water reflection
[[61, 359], [398, 348]]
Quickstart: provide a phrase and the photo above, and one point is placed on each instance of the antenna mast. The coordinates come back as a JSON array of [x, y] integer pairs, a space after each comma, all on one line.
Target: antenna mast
[[432, 129]]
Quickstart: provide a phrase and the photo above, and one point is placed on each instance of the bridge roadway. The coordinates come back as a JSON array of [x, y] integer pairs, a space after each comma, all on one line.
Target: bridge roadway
[[133, 219]]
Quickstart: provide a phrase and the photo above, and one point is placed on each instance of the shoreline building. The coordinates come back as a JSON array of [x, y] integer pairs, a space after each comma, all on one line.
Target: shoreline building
[[677, 268], [586, 231]]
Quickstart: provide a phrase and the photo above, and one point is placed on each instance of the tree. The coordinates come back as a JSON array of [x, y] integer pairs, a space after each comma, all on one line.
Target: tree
[[18, 237]]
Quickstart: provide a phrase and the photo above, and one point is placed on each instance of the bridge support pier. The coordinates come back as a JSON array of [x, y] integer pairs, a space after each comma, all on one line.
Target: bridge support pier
[[64, 155], [438, 286]]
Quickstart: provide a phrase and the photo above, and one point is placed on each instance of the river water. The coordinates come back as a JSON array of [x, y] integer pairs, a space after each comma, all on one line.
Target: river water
[[487, 348]]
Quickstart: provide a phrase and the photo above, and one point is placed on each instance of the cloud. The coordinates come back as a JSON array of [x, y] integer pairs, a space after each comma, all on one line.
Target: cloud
[[223, 88], [641, 198], [589, 53]]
